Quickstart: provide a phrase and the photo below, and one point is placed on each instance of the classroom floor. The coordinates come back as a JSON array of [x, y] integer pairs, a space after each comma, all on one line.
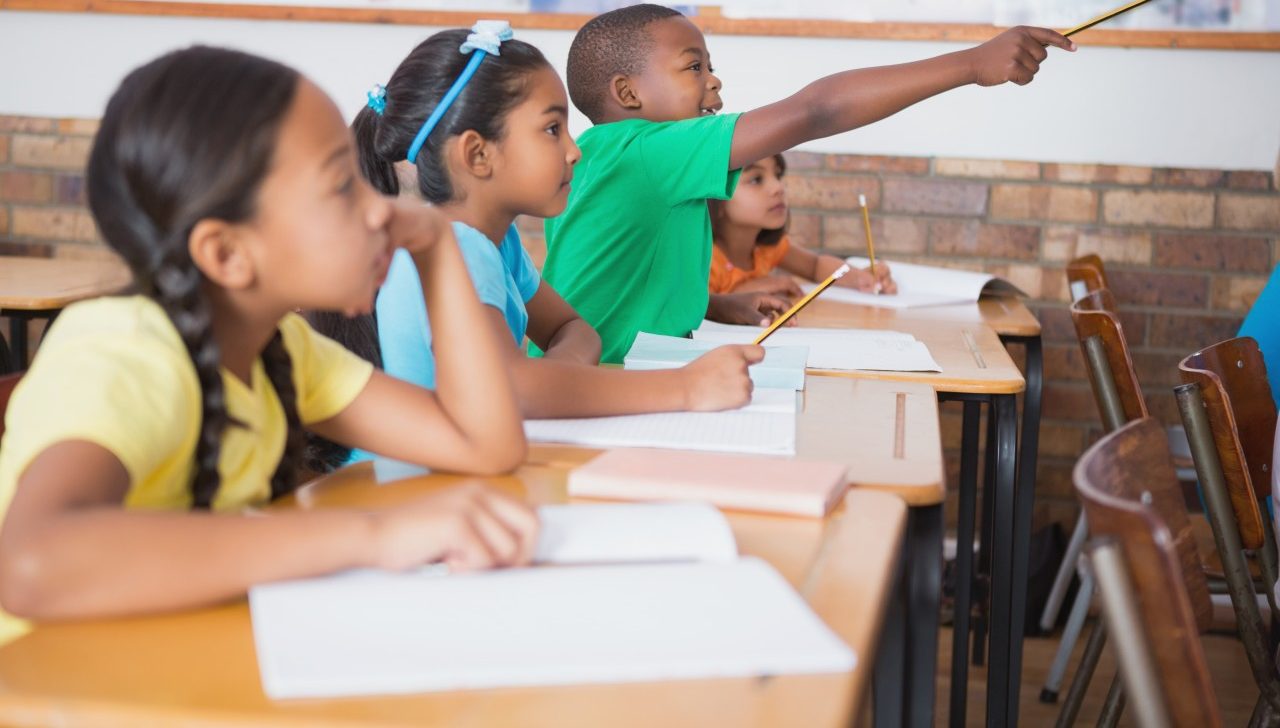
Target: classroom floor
[[1231, 678]]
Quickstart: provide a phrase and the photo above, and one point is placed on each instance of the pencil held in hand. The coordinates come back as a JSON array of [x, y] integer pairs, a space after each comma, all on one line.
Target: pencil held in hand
[[837, 275], [871, 248], [1104, 18]]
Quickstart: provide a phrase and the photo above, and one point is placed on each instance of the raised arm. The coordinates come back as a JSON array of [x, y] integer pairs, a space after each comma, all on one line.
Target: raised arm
[[848, 100]]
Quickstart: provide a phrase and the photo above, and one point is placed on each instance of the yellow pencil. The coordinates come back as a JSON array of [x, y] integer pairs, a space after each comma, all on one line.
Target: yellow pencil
[[871, 248], [837, 275], [1104, 17]]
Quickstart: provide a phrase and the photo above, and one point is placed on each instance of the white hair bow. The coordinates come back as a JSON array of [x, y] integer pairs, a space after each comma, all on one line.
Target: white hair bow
[[487, 36]]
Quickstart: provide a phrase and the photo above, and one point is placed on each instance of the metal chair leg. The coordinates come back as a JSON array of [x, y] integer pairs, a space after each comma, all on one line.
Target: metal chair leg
[[1062, 581], [1084, 673], [1075, 624], [1114, 705]]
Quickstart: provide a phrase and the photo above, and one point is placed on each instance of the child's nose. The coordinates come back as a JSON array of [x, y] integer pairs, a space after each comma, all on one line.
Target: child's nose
[[713, 82]]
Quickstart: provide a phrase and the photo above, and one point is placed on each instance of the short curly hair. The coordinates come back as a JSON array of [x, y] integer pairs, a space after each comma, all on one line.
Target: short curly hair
[[610, 44]]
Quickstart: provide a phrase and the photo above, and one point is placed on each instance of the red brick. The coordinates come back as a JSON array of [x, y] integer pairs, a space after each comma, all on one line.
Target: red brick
[[1249, 212], [1036, 282], [972, 238], [82, 251], [1057, 328], [797, 161], [831, 193], [1098, 174], [892, 235], [1064, 363], [1162, 209], [1156, 370], [937, 197], [1044, 202], [1249, 180], [1146, 288], [48, 152], [4, 219], [805, 229], [884, 165], [990, 168], [1212, 252], [25, 250], [19, 186], [54, 223], [1064, 243], [1163, 406], [1189, 178], [1187, 333], [1236, 293], [4, 148], [1060, 440], [1072, 401], [78, 127], [26, 124], [1053, 480]]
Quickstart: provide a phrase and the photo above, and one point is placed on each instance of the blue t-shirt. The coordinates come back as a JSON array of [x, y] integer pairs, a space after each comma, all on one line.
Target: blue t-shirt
[[1263, 324], [503, 275]]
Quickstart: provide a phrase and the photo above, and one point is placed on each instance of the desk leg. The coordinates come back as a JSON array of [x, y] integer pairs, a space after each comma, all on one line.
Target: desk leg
[[964, 562], [924, 593], [889, 680], [982, 575], [18, 339], [1024, 511], [1002, 546]]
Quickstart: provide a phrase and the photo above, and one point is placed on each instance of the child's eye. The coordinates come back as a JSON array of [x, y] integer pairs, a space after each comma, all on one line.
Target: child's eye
[[554, 130], [347, 186], [696, 66]]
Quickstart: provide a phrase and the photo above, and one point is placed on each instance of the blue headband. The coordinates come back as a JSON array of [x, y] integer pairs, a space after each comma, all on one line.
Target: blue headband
[[486, 37]]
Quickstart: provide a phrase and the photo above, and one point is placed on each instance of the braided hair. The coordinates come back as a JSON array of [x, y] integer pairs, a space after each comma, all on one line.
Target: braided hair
[[186, 137]]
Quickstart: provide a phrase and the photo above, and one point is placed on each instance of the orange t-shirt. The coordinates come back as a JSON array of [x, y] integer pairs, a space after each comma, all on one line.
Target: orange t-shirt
[[726, 276]]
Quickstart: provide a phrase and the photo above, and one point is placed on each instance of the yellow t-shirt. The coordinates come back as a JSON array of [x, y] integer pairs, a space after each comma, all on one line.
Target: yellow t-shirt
[[114, 371]]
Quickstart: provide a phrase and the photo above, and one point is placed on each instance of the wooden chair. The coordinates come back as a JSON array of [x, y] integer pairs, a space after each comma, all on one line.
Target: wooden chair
[[1086, 275], [7, 384], [1230, 418], [1154, 594]]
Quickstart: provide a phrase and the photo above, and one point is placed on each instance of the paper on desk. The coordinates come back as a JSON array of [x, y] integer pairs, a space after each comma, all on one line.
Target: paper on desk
[[922, 285], [845, 349], [370, 633], [782, 367]]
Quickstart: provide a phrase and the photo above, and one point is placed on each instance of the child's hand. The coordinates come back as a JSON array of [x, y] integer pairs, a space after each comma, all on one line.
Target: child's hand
[[1014, 55], [862, 279], [752, 309], [718, 380], [467, 528], [416, 227], [784, 286]]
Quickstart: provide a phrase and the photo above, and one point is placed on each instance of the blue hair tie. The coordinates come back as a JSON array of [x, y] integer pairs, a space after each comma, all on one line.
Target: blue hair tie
[[486, 38], [377, 99]]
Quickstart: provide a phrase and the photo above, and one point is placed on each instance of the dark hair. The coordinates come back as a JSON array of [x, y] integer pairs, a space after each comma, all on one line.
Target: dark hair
[[187, 137], [768, 236], [413, 92], [610, 44]]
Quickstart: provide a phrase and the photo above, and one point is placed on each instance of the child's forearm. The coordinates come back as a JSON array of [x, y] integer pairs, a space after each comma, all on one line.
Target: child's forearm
[[575, 341], [105, 561], [473, 385], [550, 388]]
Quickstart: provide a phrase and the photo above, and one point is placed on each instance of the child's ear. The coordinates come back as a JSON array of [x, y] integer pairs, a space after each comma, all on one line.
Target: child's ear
[[623, 92], [221, 253], [476, 154]]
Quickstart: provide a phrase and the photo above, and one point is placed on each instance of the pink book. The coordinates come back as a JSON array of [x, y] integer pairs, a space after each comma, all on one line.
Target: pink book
[[742, 482]]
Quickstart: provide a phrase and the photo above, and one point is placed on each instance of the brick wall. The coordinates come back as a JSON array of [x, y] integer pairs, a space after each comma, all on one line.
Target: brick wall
[[1187, 249]]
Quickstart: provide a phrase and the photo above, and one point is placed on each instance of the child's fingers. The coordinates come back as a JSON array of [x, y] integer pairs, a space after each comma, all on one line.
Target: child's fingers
[[1044, 36], [1037, 51], [519, 519], [752, 353]]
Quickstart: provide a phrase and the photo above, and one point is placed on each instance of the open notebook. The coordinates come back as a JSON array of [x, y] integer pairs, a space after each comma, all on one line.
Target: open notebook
[[923, 285], [767, 426], [782, 367], [872, 349], [701, 613]]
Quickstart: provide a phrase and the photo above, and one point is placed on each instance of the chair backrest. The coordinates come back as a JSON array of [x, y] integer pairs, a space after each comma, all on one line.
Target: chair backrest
[[1232, 378], [1095, 318], [1131, 495], [7, 383], [1086, 275]]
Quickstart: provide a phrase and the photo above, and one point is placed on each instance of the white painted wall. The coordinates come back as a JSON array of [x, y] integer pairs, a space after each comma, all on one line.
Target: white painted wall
[[1178, 108]]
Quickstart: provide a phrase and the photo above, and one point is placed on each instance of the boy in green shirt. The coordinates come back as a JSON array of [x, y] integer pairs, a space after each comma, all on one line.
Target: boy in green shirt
[[632, 251]]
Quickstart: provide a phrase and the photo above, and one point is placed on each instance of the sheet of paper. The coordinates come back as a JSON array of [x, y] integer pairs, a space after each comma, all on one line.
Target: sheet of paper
[[611, 533], [748, 431], [921, 286], [376, 633], [782, 367], [843, 349]]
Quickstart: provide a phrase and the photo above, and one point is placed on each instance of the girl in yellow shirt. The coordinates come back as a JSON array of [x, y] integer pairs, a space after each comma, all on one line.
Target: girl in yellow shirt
[[231, 187], [751, 243]]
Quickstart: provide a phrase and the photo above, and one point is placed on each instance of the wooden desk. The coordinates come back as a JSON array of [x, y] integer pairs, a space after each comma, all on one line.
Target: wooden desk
[[40, 287], [977, 370], [199, 668]]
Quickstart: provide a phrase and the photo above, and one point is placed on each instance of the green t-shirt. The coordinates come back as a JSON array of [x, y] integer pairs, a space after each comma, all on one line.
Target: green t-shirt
[[632, 251]]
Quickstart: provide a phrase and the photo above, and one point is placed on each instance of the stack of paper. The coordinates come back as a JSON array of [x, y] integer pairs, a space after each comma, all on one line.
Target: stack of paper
[[923, 285], [369, 632], [782, 367], [835, 348]]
